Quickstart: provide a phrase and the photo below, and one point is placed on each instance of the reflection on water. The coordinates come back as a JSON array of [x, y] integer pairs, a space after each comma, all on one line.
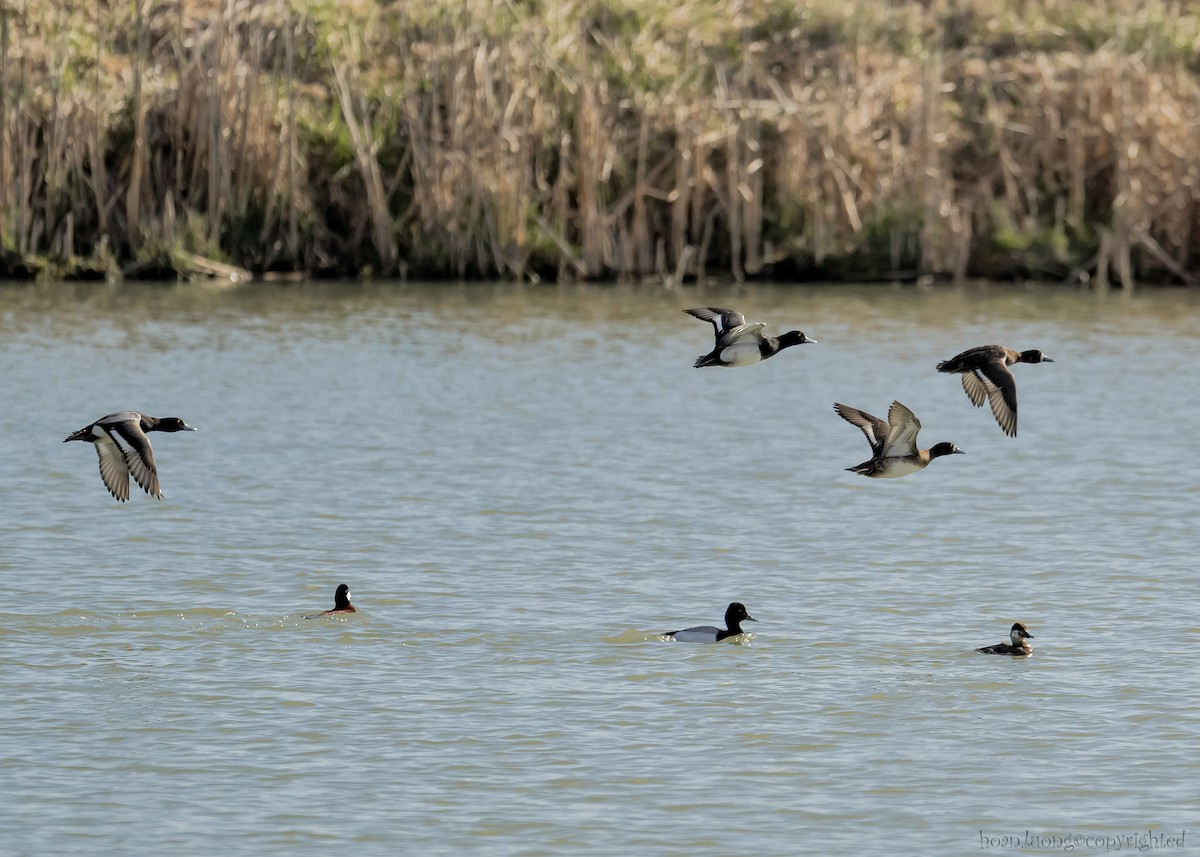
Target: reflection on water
[[522, 485]]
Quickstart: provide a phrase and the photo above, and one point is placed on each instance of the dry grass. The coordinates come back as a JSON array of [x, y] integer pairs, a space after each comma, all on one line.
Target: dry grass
[[601, 139]]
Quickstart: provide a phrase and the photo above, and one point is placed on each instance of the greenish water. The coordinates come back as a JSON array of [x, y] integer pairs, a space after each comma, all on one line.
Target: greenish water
[[522, 485]]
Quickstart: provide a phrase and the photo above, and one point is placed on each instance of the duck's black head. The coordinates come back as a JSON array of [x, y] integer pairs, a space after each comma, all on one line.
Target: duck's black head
[[171, 424], [341, 597], [944, 448], [1034, 356], [793, 337], [736, 614]]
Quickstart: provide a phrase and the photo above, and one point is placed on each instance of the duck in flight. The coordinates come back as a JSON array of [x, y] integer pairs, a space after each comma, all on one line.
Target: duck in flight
[[121, 442], [1018, 647], [985, 375], [739, 343], [894, 450]]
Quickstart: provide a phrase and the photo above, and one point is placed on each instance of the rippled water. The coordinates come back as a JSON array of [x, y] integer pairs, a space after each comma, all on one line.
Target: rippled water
[[522, 485]]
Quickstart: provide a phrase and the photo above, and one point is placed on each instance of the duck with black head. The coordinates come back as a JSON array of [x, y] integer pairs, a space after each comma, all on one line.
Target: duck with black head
[[120, 441], [341, 603], [735, 615], [739, 343], [894, 451], [985, 375]]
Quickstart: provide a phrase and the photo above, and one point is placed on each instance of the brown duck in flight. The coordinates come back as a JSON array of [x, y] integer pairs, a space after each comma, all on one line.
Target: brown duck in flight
[[894, 450], [985, 375]]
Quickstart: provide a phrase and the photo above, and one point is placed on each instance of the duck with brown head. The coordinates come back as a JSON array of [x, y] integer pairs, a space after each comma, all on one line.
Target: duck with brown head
[[1018, 645]]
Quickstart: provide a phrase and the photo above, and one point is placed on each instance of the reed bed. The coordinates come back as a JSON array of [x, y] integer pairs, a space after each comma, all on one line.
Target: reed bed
[[601, 139]]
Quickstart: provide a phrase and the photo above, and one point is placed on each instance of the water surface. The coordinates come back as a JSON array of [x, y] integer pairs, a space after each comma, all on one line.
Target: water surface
[[521, 485]]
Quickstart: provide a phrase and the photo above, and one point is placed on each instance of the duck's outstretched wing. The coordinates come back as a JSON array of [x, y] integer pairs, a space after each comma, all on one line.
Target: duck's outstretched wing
[[139, 457], [875, 429], [975, 387], [743, 332], [903, 426], [113, 468], [722, 320], [1002, 394]]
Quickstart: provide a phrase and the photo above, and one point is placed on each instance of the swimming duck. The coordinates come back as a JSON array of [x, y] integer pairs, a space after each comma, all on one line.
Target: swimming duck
[[341, 602], [1019, 646], [894, 450], [739, 343], [121, 442], [735, 615], [985, 374]]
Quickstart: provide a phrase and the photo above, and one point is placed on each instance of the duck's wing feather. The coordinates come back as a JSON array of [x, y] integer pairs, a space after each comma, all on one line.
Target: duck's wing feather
[[874, 428], [742, 332], [139, 457], [1002, 395], [113, 468], [903, 426], [1006, 417], [722, 320], [975, 387]]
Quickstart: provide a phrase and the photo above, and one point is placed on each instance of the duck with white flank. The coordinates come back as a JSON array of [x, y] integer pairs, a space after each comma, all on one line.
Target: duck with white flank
[[735, 615], [1019, 647], [121, 442], [894, 450], [739, 343], [985, 375]]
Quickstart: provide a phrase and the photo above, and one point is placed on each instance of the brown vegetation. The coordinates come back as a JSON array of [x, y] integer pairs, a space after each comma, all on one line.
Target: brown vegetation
[[600, 139]]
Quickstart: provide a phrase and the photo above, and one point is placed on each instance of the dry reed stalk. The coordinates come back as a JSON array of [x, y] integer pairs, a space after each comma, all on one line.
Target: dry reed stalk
[[589, 176], [641, 260], [680, 197], [138, 153], [360, 132], [293, 229], [933, 190], [5, 162], [1122, 230]]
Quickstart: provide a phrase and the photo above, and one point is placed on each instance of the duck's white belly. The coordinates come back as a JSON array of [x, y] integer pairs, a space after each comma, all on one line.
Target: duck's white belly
[[741, 354]]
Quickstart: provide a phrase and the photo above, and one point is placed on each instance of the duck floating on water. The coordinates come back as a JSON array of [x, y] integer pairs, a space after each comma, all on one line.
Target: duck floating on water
[[1018, 647], [735, 615]]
